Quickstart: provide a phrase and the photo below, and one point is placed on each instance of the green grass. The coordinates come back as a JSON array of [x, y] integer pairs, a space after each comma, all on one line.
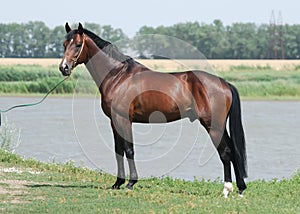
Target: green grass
[[252, 82], [64, 188], [36, 79], [264, 83]]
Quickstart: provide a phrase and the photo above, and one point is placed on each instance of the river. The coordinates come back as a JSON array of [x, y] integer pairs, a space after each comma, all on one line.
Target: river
[[63, 129]]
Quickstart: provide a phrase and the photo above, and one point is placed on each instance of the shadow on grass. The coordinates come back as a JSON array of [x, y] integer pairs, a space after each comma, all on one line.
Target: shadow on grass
[[64, 186]]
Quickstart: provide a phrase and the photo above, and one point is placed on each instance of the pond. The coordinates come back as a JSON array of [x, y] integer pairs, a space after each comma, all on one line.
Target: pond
[[63, 129]]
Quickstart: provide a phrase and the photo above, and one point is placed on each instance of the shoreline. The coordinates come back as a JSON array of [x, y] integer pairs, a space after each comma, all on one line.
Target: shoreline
[[30, 185], [68, 96]]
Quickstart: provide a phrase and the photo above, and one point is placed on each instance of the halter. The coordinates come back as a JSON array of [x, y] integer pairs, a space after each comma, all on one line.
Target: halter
[[76, 59]]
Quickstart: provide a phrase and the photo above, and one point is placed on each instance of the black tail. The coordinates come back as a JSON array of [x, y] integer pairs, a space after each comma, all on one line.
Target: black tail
[[237, 133]]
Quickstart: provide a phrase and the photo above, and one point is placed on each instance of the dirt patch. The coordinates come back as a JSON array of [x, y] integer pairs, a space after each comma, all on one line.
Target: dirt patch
[[16, 190], [16, 184]]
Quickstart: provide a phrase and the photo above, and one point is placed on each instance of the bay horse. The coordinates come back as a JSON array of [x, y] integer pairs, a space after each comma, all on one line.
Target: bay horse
[[131, 93]]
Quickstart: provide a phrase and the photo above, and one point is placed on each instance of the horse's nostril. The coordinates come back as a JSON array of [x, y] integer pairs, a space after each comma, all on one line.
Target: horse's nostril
[[66, 67]]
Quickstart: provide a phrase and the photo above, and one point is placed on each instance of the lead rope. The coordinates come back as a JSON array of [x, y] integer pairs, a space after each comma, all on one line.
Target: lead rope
[[33, 104]]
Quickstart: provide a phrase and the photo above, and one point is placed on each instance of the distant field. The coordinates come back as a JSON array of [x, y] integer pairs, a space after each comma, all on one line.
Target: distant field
[[29, 61], [175, 65], [222, 65]]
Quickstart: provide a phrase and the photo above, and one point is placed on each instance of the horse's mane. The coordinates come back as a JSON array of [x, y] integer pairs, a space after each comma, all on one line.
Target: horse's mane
[[101, 43], [107, 47]]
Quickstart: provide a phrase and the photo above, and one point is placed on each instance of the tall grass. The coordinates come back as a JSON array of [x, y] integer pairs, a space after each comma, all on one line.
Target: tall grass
[[9, 137], [29, 79], [265, 83], [251, 81]]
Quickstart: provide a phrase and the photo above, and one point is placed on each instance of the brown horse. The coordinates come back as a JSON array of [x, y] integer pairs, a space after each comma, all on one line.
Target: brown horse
[[130, 92]]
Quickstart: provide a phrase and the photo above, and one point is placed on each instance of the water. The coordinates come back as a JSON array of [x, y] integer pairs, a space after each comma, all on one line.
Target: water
[[63, 129]]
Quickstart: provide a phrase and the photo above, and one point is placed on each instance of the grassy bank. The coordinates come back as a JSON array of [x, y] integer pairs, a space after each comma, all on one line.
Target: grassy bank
[[38, 79], [264, 82], [29, 186], [253, 82]]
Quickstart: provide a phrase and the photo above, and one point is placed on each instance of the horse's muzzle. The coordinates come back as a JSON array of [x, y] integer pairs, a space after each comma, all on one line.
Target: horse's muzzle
[[65, 69]]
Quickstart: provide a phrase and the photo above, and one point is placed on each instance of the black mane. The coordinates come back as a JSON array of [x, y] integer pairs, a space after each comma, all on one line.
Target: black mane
[[104, 45], [101, 43]]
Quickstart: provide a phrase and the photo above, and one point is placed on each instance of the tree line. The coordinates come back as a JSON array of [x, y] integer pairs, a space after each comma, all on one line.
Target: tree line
[[36, 40], [214, 41]]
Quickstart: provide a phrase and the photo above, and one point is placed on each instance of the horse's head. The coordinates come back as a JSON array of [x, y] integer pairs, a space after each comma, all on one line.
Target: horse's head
[[75, 50]]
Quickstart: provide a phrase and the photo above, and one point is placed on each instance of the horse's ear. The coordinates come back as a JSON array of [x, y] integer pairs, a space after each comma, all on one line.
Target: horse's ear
[[67, 27], [80, 28]]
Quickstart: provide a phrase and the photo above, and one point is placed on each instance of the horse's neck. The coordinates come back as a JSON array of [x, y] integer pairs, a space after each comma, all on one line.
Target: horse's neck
[[99, 64]]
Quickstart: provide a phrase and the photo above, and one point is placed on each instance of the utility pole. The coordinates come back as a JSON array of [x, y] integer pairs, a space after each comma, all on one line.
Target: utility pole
[[280, 35], [276, 41], [272, 53]]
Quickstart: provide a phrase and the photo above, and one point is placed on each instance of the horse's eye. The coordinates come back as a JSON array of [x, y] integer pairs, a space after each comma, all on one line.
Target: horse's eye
[[65, 46]]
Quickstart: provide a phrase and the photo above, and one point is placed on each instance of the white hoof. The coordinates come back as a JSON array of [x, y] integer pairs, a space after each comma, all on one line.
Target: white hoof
[[227, 189]]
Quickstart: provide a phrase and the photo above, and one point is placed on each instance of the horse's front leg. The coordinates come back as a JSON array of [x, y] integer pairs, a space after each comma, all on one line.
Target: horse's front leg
[[123, 130], [119, 152], [129, 151]]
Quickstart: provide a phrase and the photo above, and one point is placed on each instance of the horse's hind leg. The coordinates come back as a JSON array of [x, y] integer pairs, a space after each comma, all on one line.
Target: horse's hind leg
[[225, 153], [221, 141], [239, 179]]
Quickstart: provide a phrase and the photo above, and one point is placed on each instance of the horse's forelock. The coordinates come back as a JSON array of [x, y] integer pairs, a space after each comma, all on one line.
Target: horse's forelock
[[71, 34]]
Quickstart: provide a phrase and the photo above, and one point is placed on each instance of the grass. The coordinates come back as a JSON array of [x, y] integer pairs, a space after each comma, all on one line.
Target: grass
[[35, 187], [38, 79], [253, 82], [265, 83]]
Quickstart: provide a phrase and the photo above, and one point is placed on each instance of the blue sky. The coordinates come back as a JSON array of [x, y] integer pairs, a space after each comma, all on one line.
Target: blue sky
[[130, 15]]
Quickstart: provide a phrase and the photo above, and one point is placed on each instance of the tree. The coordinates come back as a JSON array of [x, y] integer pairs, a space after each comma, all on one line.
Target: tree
[[54, 48], [215, 40], [37, 40]]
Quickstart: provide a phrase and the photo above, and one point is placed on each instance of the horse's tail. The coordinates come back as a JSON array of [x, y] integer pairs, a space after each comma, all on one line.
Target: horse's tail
[[237, 133]]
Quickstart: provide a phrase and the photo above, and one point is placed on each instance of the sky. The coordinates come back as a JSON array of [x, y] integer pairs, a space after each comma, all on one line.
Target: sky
[[131, 15]]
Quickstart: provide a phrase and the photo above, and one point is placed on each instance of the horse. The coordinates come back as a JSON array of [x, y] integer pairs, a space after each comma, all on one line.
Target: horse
[[131, 93]]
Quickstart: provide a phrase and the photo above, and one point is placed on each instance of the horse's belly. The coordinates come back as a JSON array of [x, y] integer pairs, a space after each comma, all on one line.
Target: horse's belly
[[156, 117]]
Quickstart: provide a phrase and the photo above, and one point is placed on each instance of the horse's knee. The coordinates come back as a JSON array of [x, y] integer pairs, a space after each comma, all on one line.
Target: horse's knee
[[129, 153]]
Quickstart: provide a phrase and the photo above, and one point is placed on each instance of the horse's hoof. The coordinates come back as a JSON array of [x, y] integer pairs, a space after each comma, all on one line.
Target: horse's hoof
[[241, 193], [129, 187], [227, 189], [130, 184], [119, 182], [114, 187]]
